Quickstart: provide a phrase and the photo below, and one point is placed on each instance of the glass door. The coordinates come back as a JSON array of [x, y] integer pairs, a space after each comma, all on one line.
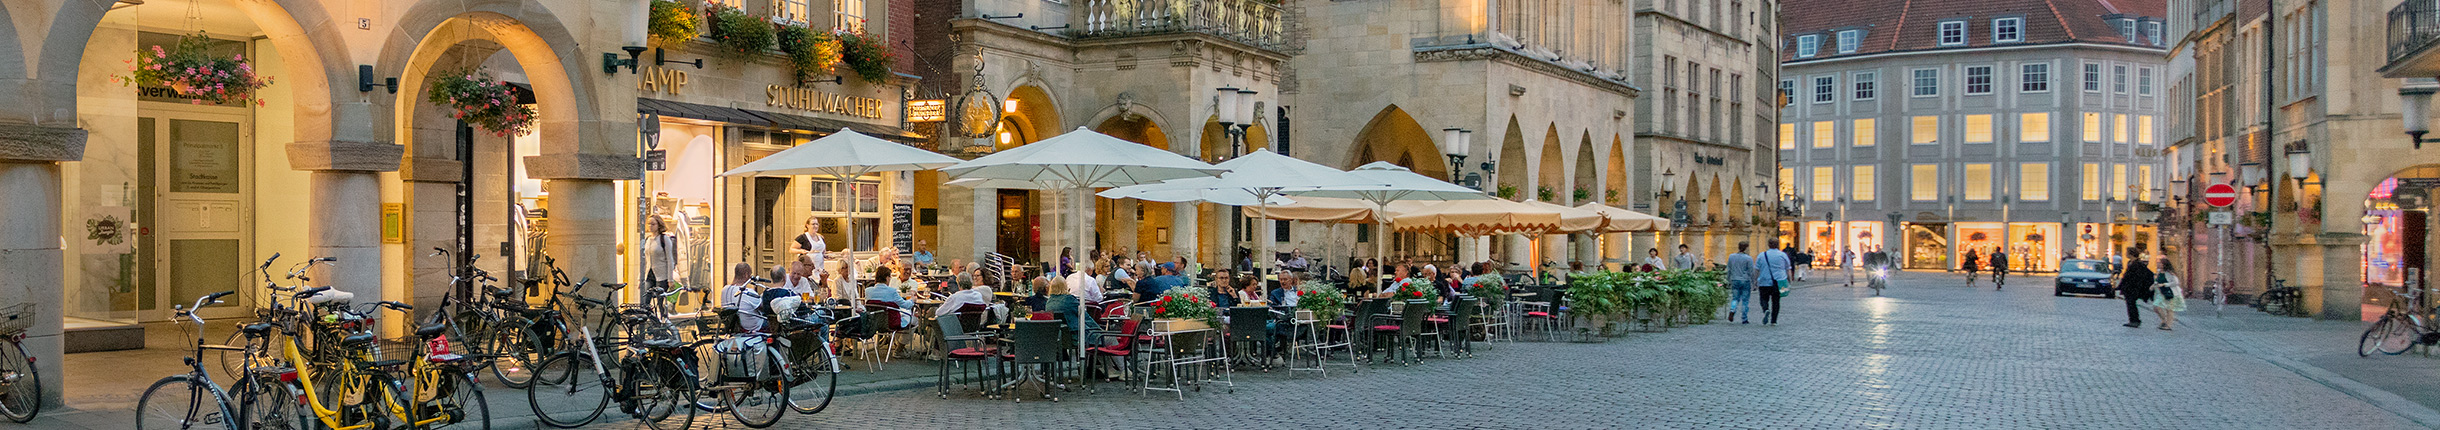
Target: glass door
[[199, 189]]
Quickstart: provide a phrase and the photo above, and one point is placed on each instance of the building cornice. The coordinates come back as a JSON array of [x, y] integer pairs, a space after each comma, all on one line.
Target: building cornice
[[1683, 21], [1495, 53], [1975, 50], [1685, 140]]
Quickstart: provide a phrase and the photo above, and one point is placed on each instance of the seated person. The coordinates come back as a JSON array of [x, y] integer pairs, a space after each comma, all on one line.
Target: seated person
[[1153, 288], [980, 295], [1222, 286], [1065, 307], [739, 296], [1285, 295], [882, 291]]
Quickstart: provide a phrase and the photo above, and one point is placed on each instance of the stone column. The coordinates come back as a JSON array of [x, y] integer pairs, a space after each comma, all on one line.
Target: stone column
[[2342, 277], [985, 218], [345, 202], [1519, 250], [1183, 240], [30, 248], [584, 207]]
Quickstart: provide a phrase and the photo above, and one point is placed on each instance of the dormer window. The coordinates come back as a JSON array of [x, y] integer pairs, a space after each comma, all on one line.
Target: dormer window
[[1807, 46], [2007, 30], [1848, 39], [2126, 27], [1952, 33], [2151, 31]]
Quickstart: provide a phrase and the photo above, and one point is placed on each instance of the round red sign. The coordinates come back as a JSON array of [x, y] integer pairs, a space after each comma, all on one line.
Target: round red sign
[[2220, 195]]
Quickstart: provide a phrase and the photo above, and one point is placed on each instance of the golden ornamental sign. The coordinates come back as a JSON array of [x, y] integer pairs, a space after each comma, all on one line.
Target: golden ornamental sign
[[927, 110]]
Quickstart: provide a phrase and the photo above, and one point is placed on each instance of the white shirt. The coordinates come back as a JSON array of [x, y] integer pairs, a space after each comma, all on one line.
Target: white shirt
[[1655, 262], [747, 303], [1086, 289]]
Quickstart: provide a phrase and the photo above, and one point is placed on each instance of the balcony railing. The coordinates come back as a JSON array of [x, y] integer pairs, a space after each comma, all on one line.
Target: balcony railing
[[2413, 26], [1252, 22]]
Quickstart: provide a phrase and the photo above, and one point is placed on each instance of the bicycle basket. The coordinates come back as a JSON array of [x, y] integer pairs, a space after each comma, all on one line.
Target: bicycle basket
[[15, 319]]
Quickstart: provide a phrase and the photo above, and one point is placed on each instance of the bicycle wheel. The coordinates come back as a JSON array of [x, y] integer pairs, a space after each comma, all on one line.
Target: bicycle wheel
[[812, 381], [665, 393], [20, 385], [515, 349], [458, 402], [183, 403], [2373, 337], [567, 391], [395, 404], [267, 404], [758, 404], [2397, 336]]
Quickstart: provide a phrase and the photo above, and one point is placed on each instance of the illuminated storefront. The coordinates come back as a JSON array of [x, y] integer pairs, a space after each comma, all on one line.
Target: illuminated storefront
[[1927, 246]]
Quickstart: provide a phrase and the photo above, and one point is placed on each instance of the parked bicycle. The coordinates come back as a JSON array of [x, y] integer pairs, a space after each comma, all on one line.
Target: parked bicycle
[[194, 401], [20, 383], [2401, 327]]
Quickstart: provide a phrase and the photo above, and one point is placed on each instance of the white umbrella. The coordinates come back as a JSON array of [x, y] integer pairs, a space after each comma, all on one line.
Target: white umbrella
[[1400, 185], [1263, 175], [846, 155], [1191, 190], [1079, 160]]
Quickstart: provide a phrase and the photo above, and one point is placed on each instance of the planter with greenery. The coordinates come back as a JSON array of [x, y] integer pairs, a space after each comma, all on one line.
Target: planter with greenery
[[1505, 192], [1545, 194], [191, 69], [673, 23], [1324, 299], [740, 32], [474, 97], [868, 56], [1490, 288], [1583, 194], [811, 54]]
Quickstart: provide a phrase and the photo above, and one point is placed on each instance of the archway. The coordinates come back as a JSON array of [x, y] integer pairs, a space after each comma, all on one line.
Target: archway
[[1128, 225], [1393, 136], [561, 172], [1614, 193], [1029, 114], [1551, 187], [1511, 162], [2398, 238]]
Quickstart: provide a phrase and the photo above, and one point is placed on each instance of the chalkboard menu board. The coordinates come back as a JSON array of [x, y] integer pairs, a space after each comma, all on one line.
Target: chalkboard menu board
[[902, 225]]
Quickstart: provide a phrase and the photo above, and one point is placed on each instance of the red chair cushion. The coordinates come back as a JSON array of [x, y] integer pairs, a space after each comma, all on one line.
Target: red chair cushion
[[1437, 319], [1537, 314], [1338, 326], [1113, 350], [1385, 328], [972, 353]]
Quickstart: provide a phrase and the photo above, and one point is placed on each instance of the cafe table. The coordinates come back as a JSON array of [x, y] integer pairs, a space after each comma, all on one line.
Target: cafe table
[[1161, 342]]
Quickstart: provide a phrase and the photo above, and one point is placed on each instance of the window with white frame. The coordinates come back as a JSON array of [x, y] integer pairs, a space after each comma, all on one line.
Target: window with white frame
[[2034, 78], [2092, 181], [1864, 85], [1787, 91], [2118, 128], [1926, 130], [2118, 78], [1927, 82], [1923, 183], [2092, 127], [2151, 31], [1807, 45], [1978, 80], [1847, 40], [2118, 181], [1978, 181], [1863, 189], [1787, 135], [2033, 127], [848, 15], [2143, 81], [1952, 33], [2126, 27], [1825, 184], [2007, 30], [799, 12], [1825, 134], [1979, 128], [2143, 129], [1867, 132], [2033, 182], [2092, 77], [1825, 89]]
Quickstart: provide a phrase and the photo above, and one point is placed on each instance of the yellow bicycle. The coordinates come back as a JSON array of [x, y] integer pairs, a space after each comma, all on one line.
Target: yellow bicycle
[[353, 393]]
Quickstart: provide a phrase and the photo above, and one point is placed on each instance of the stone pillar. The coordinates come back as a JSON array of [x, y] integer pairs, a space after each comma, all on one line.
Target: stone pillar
[[1519, 250], [985, 218], [1183, 240], [346, 224], [1554, 248], [31, 256], [2342, 278], [1123, 226], [584, 233]]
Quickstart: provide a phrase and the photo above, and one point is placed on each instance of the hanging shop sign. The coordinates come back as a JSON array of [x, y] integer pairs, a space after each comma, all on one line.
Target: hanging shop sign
[[818, 101], [927, 110]]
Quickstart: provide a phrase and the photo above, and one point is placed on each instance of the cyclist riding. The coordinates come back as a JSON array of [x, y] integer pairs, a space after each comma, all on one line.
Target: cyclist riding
[[1999, 269]]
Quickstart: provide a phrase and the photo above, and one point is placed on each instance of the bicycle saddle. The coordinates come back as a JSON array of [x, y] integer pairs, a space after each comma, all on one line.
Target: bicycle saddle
[[431, 331], [256, 329], [360, 339], [663, 344]]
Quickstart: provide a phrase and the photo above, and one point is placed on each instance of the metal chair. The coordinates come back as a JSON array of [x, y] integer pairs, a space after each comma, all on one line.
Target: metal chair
[[1248, 332], [1461, 326], [958, 349], [1411, 328], [1038, 344], [884, 320], [1120, 347], [1380, 329], [1539, 313]]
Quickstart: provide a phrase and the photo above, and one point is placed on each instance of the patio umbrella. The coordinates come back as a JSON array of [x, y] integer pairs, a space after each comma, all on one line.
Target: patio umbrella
[[1625, 221], [1191, 190], [1079, 160], [1398, 185], [846, 155]]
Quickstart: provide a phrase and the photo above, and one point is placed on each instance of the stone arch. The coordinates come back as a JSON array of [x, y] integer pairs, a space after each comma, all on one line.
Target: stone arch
[[286, 24], [1036, 116], [1393, 136], [534, 38], [1552, 168], [1130, 223], [1715, 204], [1511, 162], [1614, 185], [10, 48], [1585, 174]]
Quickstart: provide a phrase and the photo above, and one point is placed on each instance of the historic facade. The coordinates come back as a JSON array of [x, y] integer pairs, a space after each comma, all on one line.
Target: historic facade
[[1933, 130], [1703, 131]]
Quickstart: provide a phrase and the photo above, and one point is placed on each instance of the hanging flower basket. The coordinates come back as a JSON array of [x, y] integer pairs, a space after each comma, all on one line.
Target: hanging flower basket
[[474, 97], [811, 53], [674, 23], [869, 56], [741, 32], [191, 69]]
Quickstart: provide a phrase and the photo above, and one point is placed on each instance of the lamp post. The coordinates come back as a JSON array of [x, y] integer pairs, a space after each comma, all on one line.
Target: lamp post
[[2415, 110], [1460, 142], [1234, 108]]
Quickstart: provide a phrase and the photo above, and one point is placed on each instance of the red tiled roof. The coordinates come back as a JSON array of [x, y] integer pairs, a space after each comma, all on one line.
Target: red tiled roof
[[1910, 25]]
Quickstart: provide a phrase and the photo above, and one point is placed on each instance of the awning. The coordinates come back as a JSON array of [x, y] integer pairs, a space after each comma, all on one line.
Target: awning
[[771, 119]]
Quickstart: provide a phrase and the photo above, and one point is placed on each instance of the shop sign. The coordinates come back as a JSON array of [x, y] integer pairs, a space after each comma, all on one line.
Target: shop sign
[[927, 110], [817, 101], [661, 80], [656, 160]]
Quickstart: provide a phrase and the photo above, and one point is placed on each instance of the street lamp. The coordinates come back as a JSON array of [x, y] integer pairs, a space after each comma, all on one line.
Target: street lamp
[[1460, 142], [2416, 103], [2300, 160], [1234, 108]]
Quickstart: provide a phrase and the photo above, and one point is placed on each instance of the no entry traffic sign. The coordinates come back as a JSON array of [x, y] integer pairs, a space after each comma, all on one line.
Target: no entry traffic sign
[[2220, 195]]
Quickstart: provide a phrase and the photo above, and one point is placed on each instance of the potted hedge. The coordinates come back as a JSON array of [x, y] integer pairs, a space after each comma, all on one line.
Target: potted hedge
[[190, 68], [474, 97]]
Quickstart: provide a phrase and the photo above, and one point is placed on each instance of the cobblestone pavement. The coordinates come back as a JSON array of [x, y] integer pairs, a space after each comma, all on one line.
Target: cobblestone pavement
[[1930, 354]]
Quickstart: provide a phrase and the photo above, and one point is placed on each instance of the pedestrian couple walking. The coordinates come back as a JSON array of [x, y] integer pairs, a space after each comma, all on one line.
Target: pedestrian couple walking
[[1770, 272], [2140, 286]]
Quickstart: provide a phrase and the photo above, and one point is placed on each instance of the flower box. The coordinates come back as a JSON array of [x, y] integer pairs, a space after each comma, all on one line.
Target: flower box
[[1174, 325]]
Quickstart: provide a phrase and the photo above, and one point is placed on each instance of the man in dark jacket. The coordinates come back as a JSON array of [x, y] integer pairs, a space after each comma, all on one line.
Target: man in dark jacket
[[2135, 284]]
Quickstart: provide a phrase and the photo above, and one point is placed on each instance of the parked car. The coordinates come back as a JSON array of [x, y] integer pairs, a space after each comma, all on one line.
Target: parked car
[[2084, 277]]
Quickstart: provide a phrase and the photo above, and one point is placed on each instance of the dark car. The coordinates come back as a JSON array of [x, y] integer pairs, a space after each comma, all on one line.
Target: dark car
[[2084, 277]]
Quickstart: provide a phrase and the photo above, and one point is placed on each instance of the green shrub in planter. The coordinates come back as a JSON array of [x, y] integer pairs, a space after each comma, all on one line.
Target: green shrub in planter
[[740, 32], [869, 56], [810, 53], [673, 23]]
